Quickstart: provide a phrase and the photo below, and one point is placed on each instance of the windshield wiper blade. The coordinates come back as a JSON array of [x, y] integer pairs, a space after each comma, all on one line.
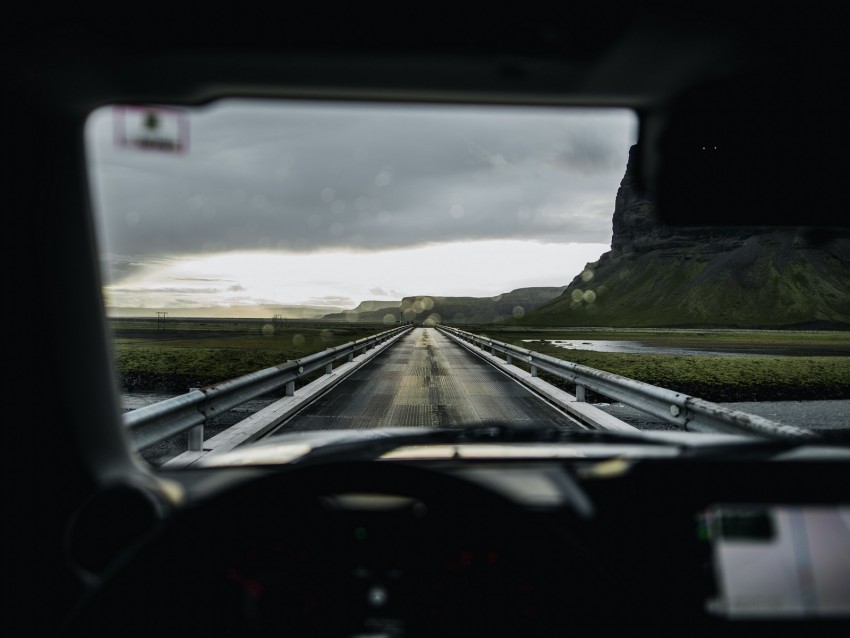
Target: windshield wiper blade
[[502, 432], [758, 449]]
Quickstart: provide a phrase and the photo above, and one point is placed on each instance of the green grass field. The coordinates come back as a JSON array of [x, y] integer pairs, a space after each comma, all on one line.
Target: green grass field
[[821, 370], [176, 355]]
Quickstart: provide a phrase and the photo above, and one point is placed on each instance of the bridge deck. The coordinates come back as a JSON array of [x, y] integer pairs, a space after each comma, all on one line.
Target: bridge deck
[[425, 380]]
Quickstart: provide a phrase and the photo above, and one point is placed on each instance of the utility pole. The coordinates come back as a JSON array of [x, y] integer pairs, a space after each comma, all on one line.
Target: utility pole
[[160, 320]]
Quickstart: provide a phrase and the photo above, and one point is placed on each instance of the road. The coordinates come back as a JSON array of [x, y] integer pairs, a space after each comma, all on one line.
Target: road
[[425, 380]]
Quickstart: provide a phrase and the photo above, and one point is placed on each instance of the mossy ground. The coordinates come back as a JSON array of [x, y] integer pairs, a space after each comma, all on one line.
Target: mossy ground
[[199, 353], [714, 378]]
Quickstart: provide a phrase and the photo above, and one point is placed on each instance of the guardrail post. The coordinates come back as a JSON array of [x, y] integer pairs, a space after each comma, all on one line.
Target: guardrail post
[[350, 357], [329, 368], [508, 359], [533, 371], [580, 393], [290, 388], [196, 439]]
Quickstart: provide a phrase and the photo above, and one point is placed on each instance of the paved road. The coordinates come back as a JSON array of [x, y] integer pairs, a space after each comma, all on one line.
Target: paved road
[[425, 380]]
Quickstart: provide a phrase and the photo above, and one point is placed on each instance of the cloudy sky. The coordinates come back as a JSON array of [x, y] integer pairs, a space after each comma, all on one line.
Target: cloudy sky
[[273, 203]]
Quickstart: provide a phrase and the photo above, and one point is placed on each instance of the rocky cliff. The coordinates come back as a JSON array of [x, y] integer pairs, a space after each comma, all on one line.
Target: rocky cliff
[[657, 275], [435, 309]]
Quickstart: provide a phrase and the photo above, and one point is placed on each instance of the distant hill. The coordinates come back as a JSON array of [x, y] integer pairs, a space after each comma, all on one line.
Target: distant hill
[[436, 309], [368, 311], [657, 275]]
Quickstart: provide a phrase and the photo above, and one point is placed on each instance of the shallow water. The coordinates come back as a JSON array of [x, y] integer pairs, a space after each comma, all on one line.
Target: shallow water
[[637, 347]]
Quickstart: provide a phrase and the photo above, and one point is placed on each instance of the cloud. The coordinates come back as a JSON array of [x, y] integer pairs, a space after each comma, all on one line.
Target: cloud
[[306, 177], [163, 290]]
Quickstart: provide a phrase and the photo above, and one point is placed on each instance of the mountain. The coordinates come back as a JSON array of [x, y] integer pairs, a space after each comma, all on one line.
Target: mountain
[[368, 311], [436, 309], [657, 275]]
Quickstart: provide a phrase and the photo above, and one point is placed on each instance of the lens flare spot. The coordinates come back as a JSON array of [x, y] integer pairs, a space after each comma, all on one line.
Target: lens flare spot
[[577, 294], [456, 211], [298, 341], [518, 311], [328, 195], [268, 330], [389, 319], [383, 179], [338, 207], [589, 296], [587, 275]]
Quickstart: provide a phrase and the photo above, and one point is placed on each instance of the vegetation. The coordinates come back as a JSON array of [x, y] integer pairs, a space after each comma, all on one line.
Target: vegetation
[[769, 285], [176, 355], [820, 371]]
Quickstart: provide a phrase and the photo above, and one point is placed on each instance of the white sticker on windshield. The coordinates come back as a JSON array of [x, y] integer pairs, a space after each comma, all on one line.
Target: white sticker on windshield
[[152, 128]]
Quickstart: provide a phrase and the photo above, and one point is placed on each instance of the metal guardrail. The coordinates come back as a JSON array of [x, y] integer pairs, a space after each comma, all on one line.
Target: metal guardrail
[[681, 410], [189, 412]]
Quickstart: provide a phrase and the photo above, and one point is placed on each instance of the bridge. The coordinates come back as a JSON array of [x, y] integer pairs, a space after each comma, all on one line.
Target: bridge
[[424, 377], [427, 380]]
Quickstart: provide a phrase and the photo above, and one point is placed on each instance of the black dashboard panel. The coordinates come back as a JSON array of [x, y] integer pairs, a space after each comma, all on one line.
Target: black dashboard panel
[[399, 549]]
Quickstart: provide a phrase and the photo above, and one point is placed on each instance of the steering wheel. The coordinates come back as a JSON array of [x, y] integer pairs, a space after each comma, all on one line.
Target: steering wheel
[[345, 548]]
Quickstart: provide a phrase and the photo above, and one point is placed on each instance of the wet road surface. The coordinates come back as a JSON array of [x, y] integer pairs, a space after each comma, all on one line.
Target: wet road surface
[[425, 380]]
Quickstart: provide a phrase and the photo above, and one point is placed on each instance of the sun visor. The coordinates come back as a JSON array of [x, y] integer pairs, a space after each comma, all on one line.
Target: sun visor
[[753, 151]]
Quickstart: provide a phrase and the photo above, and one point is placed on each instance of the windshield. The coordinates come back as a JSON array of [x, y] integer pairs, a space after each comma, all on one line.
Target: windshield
[[355, 266]]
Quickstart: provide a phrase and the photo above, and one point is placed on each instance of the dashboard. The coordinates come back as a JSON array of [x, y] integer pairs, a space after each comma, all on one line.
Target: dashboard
[[438, 548]]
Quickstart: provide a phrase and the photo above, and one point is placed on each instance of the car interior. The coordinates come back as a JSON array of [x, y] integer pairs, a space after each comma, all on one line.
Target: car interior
[[101, 543]]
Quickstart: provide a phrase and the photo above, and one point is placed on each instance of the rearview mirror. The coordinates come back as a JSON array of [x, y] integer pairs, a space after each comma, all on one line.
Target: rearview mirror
[[750, 151]]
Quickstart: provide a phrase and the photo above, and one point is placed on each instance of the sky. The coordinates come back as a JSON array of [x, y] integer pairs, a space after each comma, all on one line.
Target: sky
[[256, 203]]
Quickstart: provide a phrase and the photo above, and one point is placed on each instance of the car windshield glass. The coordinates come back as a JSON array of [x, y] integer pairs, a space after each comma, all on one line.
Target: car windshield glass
[[241, 241]]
